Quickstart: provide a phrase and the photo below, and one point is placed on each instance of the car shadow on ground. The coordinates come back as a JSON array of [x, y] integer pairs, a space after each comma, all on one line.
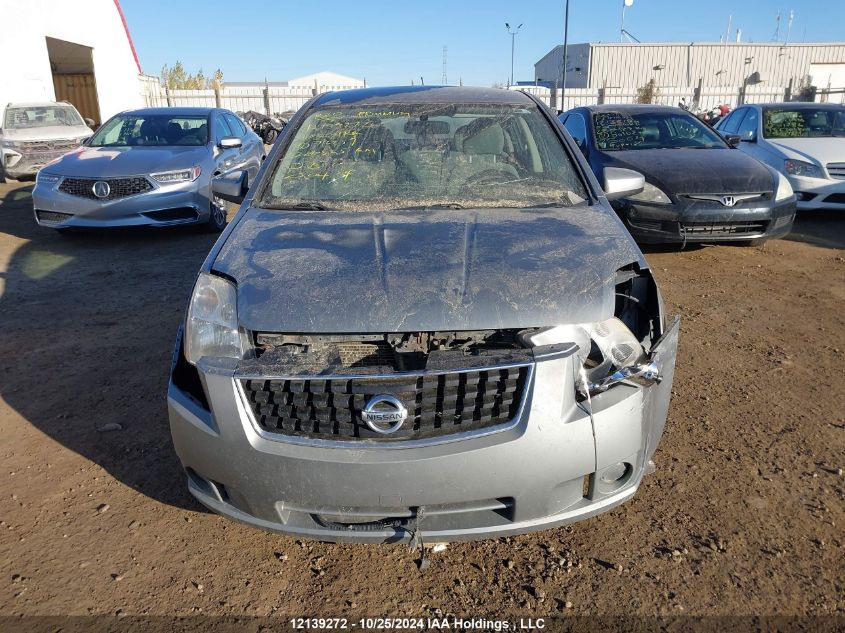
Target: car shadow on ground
[[819, 227], [88, 323]]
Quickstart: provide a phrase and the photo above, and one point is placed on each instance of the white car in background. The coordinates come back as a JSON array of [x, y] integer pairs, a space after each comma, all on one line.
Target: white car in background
[[34, 134], [804, 141]]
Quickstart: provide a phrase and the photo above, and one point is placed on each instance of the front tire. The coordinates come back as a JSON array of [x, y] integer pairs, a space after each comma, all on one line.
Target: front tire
[[270, 136], [217, 219]]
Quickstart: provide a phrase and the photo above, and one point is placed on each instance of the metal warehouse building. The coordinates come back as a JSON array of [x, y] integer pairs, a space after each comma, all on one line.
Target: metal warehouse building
[[80, 52], [733, 64]]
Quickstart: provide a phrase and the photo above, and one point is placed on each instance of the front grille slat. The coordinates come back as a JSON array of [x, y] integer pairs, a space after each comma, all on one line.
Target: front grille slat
[[836, 170], [118, 187], [723, 229], [438, 405]]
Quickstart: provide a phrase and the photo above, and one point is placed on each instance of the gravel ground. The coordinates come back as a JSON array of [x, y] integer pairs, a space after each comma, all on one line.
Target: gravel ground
[[743, 516]]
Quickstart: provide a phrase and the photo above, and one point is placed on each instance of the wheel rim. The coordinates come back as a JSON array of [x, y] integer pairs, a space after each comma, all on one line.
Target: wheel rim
[[218, 212]]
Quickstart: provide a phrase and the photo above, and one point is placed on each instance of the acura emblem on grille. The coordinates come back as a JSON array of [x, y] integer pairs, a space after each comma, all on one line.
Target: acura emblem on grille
[[384, 420], [101, 189], [727, 201]]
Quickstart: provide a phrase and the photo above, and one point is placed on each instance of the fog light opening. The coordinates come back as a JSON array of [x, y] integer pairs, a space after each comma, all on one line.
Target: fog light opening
[[613, 477]]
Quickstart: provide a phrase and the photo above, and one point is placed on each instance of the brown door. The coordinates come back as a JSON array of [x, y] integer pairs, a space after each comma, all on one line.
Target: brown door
[[80, 90]]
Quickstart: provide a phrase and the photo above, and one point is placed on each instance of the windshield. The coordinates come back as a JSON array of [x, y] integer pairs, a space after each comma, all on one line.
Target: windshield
[[153, 129], [399, 156], [41, 116], [803, 122], [653, 130]]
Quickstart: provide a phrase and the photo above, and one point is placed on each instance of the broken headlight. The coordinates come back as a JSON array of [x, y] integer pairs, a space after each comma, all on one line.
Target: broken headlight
[[609, 354], [211, 328]]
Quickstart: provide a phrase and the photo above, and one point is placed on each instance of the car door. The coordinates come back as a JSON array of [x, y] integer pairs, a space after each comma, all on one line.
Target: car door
[[252, 148], [749, 131], [227, 158]]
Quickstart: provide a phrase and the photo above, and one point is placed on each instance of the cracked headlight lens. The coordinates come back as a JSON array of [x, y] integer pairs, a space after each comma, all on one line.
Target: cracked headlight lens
[[652, 194], [211, 328]]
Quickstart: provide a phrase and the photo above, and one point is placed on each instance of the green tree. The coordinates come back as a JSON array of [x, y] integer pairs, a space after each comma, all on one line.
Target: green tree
[[177, 78]]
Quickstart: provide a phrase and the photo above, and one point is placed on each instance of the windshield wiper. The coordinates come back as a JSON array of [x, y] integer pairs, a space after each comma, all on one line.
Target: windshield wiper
[[298, 206], [431, 207]]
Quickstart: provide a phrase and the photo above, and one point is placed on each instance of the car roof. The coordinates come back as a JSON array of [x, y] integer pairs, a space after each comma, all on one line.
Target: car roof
[[630, 107], [799, 105], [38, 104], [423, 94], [174, 111]]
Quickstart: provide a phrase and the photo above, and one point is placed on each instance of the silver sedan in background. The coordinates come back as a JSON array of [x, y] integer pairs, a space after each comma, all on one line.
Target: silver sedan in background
[[149, 167]]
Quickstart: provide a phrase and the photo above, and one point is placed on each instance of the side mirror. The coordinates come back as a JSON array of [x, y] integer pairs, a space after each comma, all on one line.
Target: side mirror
[[749, 137], [89, 122], [733, 139], [231, 186], [621, 183], [228, 142]]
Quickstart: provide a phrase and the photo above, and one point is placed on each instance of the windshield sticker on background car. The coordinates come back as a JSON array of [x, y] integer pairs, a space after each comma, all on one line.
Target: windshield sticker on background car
[[615, 130], [783, 124]]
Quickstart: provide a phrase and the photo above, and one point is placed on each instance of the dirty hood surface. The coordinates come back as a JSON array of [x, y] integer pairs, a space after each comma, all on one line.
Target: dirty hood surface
[[357, 272], [712, 171]]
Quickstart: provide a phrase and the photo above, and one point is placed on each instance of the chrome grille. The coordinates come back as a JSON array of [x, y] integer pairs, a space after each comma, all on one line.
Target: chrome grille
[[50, 146], [438, 404], [836, 170], [118, 187]]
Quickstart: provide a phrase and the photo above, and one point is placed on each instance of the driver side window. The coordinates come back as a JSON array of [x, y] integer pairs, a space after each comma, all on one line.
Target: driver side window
[[748, 127], [576, 126]]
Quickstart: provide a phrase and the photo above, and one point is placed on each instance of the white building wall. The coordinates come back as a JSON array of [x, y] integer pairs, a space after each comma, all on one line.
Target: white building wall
[[674, 65], [25, 73]]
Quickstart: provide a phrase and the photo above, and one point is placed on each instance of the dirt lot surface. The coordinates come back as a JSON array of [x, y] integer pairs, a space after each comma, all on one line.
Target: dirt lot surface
[[744, 515]]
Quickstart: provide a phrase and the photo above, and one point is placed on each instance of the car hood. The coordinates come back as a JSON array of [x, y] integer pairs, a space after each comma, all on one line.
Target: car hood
[[712, 171], [816, 150], [111, 162], [354, 272], [49, 133]]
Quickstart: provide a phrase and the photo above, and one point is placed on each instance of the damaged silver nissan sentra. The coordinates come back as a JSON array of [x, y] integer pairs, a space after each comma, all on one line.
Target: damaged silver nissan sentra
[[425, 322]]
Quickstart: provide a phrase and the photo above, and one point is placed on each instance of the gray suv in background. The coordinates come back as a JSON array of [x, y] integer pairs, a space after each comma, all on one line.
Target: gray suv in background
[[34, 134], [425, 322]]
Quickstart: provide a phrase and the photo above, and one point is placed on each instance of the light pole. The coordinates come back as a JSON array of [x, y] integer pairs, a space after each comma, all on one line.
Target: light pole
[[565, 51], [625, 5], [513, 34]]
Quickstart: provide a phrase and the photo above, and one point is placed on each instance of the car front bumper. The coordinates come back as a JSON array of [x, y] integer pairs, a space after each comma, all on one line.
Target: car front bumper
[[707, 221], [543, 471], [819, 193], [23, 164], [163, 205]]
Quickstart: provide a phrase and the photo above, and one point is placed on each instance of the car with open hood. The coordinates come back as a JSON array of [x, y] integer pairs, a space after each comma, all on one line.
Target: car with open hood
[[699, 188], [424, 322], [34, 134], [803, 141], [148, 167]]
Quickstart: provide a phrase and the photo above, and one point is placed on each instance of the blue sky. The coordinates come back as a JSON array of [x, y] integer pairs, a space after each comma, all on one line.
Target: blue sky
[[395, 42]]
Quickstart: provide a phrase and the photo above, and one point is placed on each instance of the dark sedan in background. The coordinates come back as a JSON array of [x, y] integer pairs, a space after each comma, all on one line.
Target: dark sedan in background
[[153, 167], [698, 186]]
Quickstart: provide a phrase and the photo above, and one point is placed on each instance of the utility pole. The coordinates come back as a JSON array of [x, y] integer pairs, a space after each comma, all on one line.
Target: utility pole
[[443, 80], [625, 5], [565, 52], [513, 35]]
